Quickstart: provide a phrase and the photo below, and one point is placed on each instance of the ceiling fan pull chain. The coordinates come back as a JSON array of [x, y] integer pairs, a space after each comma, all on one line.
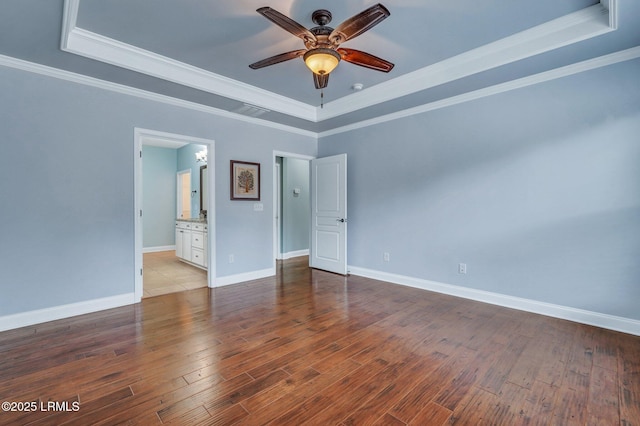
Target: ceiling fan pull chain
[[322, 98]]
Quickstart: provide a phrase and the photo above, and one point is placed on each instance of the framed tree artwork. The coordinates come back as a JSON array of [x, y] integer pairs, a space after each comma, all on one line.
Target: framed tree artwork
[[245, 180]]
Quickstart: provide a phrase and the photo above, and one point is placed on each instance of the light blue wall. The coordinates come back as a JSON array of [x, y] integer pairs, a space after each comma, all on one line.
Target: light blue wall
[[296, 209], [158, 196], [187, 160], [537, 190], [67, 188]]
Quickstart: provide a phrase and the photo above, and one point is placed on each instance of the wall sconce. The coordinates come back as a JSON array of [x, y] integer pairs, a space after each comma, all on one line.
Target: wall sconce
[[201, 156]]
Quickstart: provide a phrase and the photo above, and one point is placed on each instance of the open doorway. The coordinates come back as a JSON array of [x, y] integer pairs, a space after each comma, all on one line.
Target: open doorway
[[292, 205], [173, 199], [184, 193]]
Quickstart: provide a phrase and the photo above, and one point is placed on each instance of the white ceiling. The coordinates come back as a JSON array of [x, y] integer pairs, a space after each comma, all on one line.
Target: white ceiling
[[444, 51]]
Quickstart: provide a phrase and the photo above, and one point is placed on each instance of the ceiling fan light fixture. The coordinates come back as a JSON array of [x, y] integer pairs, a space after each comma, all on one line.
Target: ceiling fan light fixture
[[321, 60]]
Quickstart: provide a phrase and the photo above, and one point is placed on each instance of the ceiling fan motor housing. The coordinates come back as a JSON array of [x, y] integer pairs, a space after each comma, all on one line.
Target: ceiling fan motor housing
[[321, 17]]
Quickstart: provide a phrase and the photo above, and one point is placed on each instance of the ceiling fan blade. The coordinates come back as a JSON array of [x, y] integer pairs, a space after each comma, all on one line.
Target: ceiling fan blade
[[320, 81], [277, 59], [359, 23], [287, 23], [365, 59]]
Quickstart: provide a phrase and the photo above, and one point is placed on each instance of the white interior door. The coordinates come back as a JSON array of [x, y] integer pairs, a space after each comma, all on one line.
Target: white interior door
[[328, 249], [278, 211]]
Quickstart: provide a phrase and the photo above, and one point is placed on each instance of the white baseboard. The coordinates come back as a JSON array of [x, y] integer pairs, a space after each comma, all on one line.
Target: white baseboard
[[296, 253], [24, 319], [625, 325], [246, 276], [158, 248]]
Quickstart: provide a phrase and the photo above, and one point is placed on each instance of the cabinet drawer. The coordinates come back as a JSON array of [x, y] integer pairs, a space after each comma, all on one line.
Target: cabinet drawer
[[197, 240], [197, 257], [198, 227], [183, 225]]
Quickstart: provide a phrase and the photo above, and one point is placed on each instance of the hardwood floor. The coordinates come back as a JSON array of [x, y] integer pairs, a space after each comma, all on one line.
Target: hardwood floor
[[314, 348]]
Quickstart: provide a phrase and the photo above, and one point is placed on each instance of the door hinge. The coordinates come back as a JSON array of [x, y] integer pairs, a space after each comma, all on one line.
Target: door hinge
[[140, 271], [140, 154], [140, 212]]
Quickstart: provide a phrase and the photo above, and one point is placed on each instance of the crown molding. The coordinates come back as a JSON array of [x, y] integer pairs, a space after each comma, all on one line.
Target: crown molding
[[591, 64], [95, 46], [577, 26], [574, 27], [612, 7], [576, 23], [31, 67], [69, 20], [602, 61]]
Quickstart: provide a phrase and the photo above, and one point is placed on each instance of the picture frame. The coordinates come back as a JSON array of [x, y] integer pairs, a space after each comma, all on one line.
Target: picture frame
[[245, 180]]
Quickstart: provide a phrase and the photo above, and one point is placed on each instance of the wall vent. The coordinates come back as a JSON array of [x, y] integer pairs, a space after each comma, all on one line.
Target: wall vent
[[251, 110]]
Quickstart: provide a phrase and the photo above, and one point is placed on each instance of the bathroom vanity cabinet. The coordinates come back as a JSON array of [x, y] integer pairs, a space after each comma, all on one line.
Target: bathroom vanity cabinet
[[191, 242]]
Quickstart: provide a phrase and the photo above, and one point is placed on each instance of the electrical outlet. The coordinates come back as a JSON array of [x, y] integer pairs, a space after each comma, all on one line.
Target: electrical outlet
[[386, 256], [231, 258], [462, 268]]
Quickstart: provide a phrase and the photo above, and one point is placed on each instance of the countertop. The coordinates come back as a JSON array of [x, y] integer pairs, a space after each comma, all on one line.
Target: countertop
[[193, 220]]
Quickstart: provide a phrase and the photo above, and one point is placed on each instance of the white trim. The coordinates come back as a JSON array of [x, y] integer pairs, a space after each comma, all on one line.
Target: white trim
[[158, 249], [277, 210], [625, 325], [276, 250], [245, 276], [572, 28], [47, 71], [586, 23], [594, 63], [612, 7], [140, 134], [296, 253], [69, 20], [23, 319], [292, 155], [95, 46], [579, 67], [602, 61]]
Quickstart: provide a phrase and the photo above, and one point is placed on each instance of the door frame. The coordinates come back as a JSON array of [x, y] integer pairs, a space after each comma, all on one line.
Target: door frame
[[276, 183], [140, 134]]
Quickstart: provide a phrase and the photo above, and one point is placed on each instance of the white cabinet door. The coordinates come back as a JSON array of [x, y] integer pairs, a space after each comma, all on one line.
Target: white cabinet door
[[179, 241], [197, 239], [186, 245], [197, 256]]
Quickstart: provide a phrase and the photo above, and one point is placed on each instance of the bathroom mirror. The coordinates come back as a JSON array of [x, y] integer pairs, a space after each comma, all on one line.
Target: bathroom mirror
[[204, 201]]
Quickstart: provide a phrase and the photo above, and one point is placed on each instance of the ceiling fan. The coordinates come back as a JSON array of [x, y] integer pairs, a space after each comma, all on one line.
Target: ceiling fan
[[322, 53]]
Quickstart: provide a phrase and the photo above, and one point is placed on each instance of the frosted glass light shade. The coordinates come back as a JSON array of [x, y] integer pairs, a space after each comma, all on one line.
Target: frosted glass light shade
[[321, 60]]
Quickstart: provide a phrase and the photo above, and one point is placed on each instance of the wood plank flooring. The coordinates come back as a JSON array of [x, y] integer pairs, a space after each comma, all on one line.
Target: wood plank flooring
[[312, 348]]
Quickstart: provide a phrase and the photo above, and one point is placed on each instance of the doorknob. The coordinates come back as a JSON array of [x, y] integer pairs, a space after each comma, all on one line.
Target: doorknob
[[343, 220]]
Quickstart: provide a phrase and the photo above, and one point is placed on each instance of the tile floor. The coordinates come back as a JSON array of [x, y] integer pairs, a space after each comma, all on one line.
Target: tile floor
[[163, 273]]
